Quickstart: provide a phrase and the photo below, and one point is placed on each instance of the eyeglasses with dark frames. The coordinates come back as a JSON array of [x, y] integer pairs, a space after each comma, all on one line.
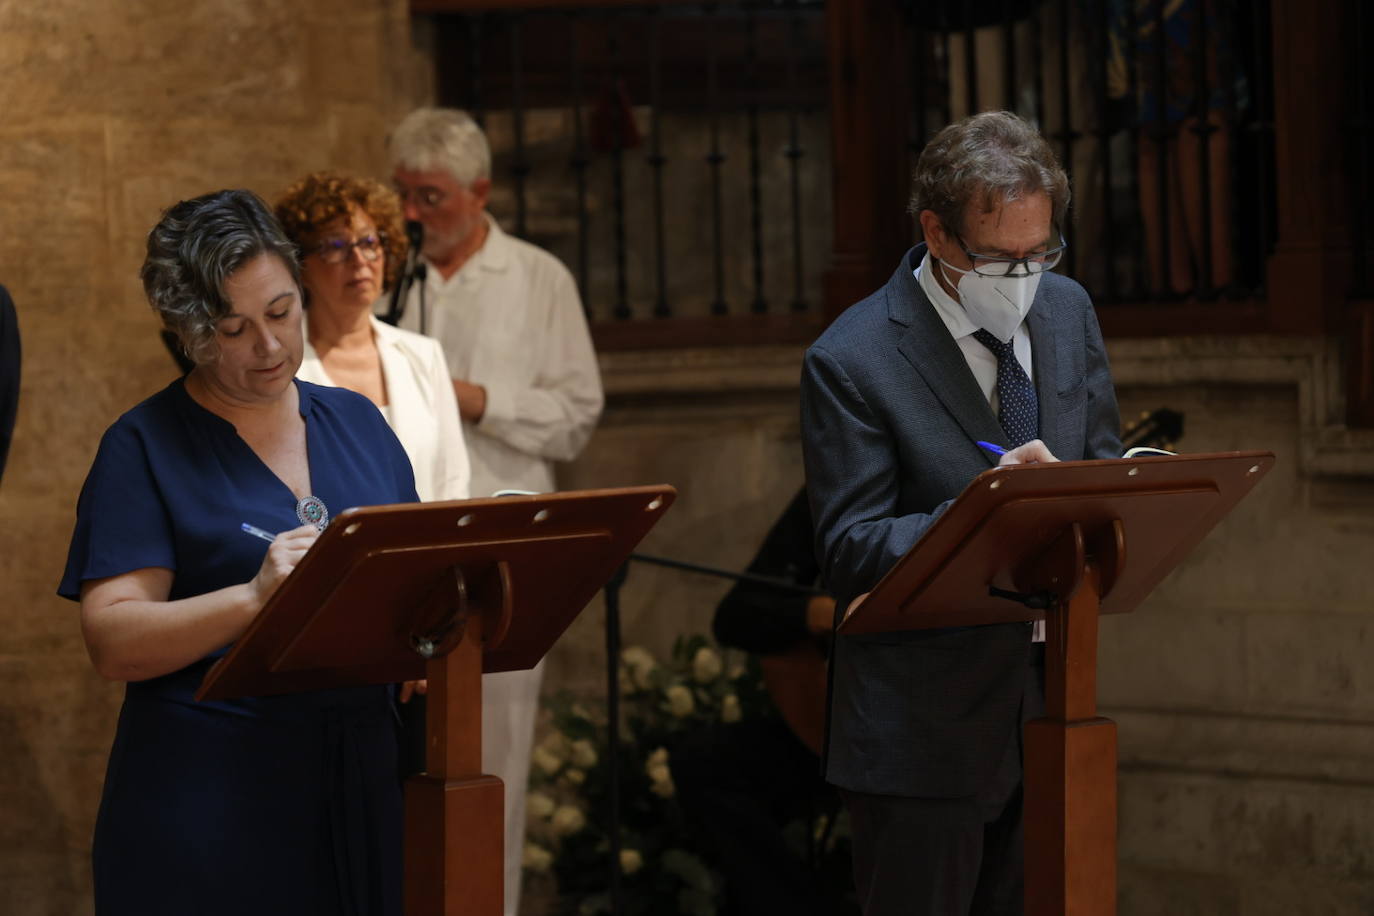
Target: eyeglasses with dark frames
[[336, 251], [988, 265]]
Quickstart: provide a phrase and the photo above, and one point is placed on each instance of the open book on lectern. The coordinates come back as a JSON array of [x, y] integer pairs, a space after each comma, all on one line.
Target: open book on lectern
[[1141, 514]]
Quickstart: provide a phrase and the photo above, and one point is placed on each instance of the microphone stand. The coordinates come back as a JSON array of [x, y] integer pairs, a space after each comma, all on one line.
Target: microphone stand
[[612, 590], [418, 275], [414, 270]]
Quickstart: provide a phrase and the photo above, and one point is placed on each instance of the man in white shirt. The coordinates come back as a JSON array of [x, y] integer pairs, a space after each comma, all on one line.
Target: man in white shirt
[[526, 378]]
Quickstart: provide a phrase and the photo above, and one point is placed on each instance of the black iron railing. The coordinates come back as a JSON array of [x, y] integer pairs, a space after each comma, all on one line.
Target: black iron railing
[[692, 136], [1169, 142]]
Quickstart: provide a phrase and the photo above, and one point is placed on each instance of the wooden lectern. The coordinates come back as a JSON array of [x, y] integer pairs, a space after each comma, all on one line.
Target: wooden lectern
[[444, 591], [1065, 541]]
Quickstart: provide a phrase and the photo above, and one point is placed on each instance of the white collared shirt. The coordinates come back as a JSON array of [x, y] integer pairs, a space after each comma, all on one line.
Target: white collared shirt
[[510, 320], [421, 408]]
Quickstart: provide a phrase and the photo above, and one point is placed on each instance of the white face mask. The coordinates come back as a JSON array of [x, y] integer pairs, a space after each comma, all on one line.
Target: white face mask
[[996, 304]]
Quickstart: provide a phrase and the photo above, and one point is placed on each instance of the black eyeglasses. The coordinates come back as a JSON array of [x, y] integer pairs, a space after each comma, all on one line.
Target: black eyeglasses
[[987, 265], [336, 251]]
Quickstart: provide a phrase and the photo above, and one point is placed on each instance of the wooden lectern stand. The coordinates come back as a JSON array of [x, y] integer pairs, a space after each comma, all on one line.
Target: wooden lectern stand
[[1078, 539], [446, 591]]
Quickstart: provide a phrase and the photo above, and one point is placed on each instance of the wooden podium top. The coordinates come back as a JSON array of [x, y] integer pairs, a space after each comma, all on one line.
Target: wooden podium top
[[997, 533], [380, 586]]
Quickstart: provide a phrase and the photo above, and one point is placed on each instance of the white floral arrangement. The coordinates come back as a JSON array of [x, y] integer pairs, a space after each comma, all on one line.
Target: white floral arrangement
[[568, 804]]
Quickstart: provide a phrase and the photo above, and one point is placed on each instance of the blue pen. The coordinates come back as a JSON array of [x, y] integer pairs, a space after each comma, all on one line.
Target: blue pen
[[995, 449], [258, 532]]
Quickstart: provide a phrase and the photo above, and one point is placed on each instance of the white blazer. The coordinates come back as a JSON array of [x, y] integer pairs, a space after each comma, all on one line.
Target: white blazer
[[421, 407]]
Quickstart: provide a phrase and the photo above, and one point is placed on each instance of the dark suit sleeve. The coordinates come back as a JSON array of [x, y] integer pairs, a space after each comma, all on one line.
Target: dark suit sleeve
[[1102, 433], [9, 373], [852, 476]]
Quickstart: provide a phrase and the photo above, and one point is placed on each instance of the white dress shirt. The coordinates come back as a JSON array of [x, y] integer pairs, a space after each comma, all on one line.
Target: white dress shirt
[[421, 407], [510, 320], [981, 361]]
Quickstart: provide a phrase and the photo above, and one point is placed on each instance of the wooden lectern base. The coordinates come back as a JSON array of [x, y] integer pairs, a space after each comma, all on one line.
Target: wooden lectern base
[[454, 848], [1070, 767], [455, 814]]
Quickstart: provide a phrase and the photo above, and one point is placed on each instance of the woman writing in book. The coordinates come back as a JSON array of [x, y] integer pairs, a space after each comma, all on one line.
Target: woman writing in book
[[286, 804]]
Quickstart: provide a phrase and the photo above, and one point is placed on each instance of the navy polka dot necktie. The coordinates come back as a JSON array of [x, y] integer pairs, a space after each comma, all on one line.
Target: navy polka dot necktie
[[1018, 410]]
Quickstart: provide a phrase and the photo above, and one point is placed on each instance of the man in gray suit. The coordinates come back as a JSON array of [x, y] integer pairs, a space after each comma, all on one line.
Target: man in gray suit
[[972, 339]]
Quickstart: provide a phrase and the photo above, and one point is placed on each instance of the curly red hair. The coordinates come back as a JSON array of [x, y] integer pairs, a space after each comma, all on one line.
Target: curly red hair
[[322, 198]]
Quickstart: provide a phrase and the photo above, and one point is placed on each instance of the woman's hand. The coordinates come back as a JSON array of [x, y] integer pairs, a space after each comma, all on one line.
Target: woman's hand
[[282, 556]]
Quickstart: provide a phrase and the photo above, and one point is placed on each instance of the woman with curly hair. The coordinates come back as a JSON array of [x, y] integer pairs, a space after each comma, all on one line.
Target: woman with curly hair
[[352, 246]]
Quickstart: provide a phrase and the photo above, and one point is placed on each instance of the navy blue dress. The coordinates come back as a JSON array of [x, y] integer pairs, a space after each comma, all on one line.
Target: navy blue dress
[[271, 805]]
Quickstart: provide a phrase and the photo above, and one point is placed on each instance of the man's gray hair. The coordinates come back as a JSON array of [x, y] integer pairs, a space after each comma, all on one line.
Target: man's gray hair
[[196, 246], [441, 139], [989, 158]]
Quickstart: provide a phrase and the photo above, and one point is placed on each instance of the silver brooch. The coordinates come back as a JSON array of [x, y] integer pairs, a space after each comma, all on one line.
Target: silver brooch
[[311, 511]]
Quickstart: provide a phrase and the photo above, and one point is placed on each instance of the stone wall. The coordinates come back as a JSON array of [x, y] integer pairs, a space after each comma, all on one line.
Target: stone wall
[[113, 111]]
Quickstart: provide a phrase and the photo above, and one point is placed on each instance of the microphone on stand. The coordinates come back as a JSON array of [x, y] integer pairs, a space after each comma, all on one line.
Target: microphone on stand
[[414, 269], [418, 275]]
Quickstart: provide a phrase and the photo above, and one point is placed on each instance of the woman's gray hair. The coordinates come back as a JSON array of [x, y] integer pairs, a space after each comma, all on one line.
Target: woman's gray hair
[[441, 139], [989, 158], [196, 246]]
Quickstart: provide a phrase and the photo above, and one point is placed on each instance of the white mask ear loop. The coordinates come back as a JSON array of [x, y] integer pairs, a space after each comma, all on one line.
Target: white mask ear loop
[[954, 284]]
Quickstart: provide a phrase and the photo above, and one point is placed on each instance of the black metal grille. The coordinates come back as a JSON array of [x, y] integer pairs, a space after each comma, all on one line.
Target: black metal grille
[[1361, 134], [675, 157], [1168, 143]]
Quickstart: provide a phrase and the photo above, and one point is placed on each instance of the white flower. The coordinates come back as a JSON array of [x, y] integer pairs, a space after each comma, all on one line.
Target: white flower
[[661, 781], [637, 657], [556, 743], [583, 754], [642, 665], [546, 761], [539, 805], [630, 861], [706, 665], [736, 671], [660, 777], [568, 820], [574, 776], [536, 857], [729, 708], [680, 702]]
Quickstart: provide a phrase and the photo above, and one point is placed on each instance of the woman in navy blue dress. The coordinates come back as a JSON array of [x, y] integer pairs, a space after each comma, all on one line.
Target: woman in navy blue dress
[[273, 805]]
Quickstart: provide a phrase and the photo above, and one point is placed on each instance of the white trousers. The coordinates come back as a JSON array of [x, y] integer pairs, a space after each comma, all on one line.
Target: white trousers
[[510, 706]]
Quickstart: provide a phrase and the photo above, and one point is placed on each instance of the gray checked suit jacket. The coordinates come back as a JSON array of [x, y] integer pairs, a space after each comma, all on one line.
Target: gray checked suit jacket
[[890, 416]]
